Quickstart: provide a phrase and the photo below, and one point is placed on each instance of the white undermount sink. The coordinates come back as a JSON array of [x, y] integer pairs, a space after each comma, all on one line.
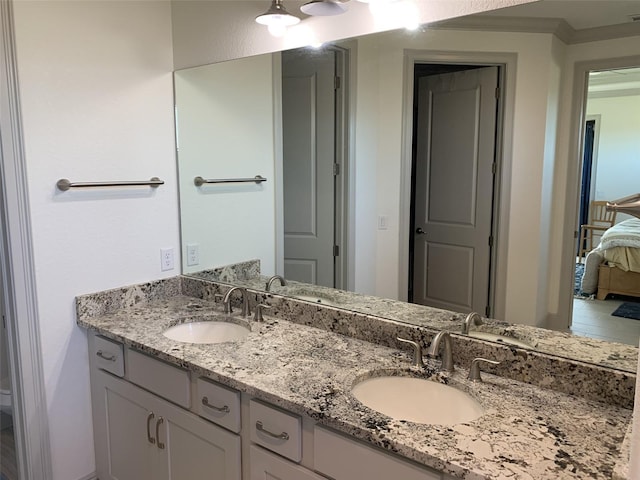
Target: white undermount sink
[[320, 300], [417, 400], [499, 338], [207, 332]]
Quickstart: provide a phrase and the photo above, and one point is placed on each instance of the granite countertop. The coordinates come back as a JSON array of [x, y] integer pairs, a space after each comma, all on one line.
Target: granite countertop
[[563, 344], [525, 433]]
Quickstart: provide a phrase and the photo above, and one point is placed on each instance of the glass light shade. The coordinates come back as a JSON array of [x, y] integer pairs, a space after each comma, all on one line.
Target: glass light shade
[[277, 15], [323, 8]]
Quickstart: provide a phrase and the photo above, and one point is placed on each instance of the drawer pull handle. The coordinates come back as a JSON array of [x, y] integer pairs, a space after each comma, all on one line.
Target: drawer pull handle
[[280, 436], [150, 439], [110, 358], [205, 402], [158, 423]]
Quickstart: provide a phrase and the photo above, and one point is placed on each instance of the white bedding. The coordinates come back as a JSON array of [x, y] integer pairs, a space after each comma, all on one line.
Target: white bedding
[[623, 234], [619, 246]]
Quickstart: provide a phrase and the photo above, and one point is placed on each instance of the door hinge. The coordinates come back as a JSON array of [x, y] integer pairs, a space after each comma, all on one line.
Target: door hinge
[[497, 93], [336, 82], [487, 311], [575, 234], [336, 169], [491, 241], [494, 168], [336, 251]]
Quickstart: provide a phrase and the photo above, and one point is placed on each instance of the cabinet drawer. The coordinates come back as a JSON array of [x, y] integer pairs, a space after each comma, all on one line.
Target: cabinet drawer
[[219, 404], [276, 430], [344, 459], [267, 465], [108, 355], [159, 377]]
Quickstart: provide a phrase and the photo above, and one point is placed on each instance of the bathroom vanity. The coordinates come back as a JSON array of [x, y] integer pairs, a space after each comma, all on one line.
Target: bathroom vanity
[[279, 402]]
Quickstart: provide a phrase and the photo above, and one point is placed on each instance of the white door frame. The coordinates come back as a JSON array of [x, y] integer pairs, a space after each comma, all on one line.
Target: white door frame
[[576, 149], [508, 63], [19, 287]]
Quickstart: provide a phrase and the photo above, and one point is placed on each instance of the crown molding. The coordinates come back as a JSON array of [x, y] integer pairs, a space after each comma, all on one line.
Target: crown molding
[[627, 92], [608, 32], [556, 26]]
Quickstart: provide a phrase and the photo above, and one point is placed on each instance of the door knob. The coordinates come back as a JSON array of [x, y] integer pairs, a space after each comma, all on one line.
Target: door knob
[[420, 231]]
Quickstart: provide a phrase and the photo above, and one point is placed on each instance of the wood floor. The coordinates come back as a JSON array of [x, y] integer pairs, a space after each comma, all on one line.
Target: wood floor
[[8, 466], [592, 318]]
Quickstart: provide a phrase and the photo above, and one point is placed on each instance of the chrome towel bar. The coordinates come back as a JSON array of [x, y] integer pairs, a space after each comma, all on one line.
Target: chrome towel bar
[[64, 184], [199, 181]]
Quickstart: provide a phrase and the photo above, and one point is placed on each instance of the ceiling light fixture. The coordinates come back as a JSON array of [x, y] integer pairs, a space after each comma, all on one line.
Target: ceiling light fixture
[[323, 8], [277, 18]]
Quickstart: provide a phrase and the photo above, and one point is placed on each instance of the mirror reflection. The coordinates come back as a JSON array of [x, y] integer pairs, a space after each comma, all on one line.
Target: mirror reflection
[[343, 205]]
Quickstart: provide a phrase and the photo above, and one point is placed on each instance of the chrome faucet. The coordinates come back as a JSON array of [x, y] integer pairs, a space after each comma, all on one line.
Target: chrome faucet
[[226, 301], [283, 282], [474, 370], [473, 318], [447, 352]]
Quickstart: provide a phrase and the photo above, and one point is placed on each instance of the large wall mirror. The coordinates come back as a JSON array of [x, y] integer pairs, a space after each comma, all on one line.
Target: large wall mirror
[[336, 132]]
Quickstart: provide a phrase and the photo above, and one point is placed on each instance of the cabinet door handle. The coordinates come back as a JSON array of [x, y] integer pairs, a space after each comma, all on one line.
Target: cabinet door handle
[[223, 409], [159, 422], [280, 436], [150, 439], [110, 358]]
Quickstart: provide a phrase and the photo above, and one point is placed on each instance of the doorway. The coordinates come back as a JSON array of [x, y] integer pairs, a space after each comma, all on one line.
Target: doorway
[[315, 165], [608, 171], [456, 111]]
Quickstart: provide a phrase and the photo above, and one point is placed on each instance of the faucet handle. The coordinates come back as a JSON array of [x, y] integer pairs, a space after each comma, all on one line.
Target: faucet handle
[[474, 370], [417, 351], [257, 315]]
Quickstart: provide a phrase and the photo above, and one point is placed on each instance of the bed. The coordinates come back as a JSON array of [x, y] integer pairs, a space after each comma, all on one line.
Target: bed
[[614, 265]]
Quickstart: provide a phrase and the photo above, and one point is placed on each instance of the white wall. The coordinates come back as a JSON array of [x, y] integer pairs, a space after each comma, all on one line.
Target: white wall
[[618, 154], [226, 130], [96, 95]]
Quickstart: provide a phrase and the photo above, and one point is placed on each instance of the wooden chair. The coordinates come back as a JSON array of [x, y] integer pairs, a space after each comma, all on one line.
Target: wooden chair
[[599, 221]]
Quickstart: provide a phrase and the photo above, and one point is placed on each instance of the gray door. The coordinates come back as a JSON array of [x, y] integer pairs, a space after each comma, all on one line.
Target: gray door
[[455, 153], [308, 112]]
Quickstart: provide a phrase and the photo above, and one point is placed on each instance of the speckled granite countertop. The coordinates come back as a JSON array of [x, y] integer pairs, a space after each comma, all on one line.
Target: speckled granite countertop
[[563, 344], [526, 432]]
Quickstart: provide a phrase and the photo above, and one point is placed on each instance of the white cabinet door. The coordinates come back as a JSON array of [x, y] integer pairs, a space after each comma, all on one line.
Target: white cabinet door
[[122, 420], [195, 449], [267, 466], [342, 458], [139, 436]]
